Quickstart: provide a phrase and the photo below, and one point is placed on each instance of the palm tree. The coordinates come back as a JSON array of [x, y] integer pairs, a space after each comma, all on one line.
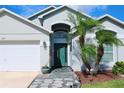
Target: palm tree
[[88, 51], [106, 37], [82, 25]]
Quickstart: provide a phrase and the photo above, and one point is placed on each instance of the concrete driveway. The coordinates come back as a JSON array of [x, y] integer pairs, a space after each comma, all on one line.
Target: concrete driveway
[[16, 79]]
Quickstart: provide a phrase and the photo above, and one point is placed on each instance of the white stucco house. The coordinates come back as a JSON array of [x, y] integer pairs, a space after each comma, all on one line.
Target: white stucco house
[[41, 39]]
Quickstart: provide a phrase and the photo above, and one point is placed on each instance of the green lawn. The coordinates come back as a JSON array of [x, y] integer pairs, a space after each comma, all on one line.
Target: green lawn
[[107, 84]]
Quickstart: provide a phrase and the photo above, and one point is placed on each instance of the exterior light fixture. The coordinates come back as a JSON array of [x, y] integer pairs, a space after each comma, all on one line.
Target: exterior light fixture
[[45, 45]]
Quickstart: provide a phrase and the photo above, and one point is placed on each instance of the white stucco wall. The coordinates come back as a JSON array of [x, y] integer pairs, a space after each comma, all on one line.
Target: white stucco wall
[[112, 25], [13, 29], [120, 52], [11, 24], [76, 60], [58, 17]]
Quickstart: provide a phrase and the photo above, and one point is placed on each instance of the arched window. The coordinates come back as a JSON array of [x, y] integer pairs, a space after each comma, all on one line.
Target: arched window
[[60, 34]]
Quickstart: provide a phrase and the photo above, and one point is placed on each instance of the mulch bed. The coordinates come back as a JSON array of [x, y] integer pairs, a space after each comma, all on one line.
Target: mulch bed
[[100, 77]]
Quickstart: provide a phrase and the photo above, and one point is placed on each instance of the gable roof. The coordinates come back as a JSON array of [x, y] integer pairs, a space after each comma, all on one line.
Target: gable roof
[[111, 18], [41, 12], [44, 30], [40, 28], [66, 7], [100, 18]]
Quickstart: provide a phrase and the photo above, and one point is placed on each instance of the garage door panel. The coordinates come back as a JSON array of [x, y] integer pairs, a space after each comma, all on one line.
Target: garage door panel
[[20, 57]]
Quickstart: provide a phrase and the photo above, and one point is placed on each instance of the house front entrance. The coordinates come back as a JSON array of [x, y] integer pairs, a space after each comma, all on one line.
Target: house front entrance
[[60, 55], [60, 45]]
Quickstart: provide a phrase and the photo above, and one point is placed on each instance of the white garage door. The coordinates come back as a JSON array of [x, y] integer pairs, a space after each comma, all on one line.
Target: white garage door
[[20, 56]]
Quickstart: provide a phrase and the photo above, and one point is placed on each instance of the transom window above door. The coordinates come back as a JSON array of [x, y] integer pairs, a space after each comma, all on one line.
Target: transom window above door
[[60, 34]]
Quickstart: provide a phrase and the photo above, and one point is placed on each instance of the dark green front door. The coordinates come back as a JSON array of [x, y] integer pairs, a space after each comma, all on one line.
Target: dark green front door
[[60, 55]]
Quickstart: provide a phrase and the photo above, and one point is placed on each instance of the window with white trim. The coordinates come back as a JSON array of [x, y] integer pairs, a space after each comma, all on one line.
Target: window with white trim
[[108, 53]]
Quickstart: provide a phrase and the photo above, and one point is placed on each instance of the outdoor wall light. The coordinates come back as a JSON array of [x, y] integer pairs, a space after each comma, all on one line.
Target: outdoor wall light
[[3, 38], [45, 45]]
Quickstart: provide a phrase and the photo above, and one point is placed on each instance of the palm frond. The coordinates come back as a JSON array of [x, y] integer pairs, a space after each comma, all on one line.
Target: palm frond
[[81, 24], [108, 37], [90, 23], [89, 50]]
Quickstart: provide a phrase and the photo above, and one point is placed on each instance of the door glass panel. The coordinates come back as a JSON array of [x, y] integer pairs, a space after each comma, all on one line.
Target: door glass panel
[[60, 55], [63, 56]]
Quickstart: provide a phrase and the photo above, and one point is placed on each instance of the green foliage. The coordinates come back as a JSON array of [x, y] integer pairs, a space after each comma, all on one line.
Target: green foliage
[[88, 50], [90, 23], [82, 24], [118, 68], [77, 22], [107, 37]]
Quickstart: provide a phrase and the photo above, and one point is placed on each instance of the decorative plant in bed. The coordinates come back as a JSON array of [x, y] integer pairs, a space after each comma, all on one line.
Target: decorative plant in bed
[[118, 68], [110, 79]]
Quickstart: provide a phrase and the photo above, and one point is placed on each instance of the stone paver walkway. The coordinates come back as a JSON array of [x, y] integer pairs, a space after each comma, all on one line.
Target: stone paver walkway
[[59, 78]]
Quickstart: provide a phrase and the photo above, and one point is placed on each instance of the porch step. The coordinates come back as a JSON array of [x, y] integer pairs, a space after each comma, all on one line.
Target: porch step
[[62, 69]]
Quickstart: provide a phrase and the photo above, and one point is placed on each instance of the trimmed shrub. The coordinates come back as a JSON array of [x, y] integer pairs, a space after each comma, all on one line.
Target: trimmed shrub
[[118, 68]]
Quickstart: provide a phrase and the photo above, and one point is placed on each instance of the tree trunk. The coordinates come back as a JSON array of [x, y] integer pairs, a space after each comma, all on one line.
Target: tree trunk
[[100, 53], [82, 41], [86, 63]]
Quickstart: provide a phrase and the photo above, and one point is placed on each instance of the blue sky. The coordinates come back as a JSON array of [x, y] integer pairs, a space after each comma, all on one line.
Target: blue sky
[[93, 10]]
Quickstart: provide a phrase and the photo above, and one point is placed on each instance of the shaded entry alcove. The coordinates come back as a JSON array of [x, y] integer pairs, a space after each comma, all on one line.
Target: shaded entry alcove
[[60, 44]]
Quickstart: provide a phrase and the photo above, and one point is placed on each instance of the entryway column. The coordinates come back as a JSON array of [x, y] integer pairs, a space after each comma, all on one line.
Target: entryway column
[[68, 54]]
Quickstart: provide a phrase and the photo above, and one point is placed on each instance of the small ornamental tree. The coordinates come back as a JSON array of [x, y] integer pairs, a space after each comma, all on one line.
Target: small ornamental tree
[[104, 37], [82, 25]]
